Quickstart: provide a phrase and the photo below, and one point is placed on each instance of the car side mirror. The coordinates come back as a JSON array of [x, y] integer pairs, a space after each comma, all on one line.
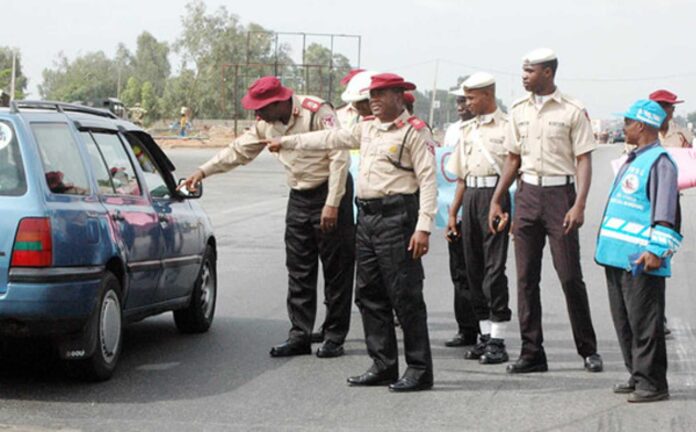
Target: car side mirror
[[183, 191]]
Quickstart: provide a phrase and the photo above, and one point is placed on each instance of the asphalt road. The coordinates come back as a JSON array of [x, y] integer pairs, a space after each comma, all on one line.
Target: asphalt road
[[225, 380]]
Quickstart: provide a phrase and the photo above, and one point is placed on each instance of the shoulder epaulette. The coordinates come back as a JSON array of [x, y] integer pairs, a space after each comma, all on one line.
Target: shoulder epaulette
[[417, 123], [576, 103], [311, 104], [368, 118], [519, 101]]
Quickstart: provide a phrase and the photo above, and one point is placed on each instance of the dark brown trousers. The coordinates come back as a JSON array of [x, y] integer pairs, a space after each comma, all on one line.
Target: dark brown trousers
[[539, 213]]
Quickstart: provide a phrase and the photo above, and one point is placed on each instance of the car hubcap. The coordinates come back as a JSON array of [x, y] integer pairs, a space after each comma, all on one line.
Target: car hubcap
[[207, 290], [110, 326]]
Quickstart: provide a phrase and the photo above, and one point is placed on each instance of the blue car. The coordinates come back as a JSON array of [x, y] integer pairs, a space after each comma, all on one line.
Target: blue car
[[94, 234]]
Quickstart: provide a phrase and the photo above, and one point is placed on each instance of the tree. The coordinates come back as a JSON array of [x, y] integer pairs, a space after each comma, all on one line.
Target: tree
[[324, 80], [151, 62], [131, 94], [6, 73], [123, 61], [87, 78], [149, 101]]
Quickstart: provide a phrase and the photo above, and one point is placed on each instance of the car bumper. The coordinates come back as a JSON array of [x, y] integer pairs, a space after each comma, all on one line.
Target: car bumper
[[48, 301]]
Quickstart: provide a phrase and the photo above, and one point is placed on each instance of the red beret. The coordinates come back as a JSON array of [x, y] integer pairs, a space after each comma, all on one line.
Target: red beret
[[349, 76], [389, 80], [265, 91], [664, 96]]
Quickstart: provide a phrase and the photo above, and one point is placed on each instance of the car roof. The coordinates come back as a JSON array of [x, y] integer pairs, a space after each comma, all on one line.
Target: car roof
[[85, 117]]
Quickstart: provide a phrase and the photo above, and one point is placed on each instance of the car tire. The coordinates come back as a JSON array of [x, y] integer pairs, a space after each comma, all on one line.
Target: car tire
[[198, 315], [107, 329]]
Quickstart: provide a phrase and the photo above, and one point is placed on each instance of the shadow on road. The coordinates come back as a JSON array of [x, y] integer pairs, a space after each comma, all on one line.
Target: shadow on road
[[157, 364]]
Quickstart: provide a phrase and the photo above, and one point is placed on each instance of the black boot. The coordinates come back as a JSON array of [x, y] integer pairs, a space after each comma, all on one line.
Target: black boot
[[477, 351], [495, 352]]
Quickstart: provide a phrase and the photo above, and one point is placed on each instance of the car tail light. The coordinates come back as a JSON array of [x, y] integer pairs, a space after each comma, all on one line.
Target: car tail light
[[33, 246]]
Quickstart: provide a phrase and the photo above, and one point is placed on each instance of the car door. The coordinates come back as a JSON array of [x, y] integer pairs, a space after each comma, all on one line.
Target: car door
[[181, 229], [134, 221]]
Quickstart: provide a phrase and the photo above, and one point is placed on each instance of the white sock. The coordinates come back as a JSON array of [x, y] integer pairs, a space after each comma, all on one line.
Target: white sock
[[498, 330], [485, 327]]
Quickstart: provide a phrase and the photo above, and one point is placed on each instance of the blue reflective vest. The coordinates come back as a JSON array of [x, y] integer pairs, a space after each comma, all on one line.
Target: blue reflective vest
[[626, 232]]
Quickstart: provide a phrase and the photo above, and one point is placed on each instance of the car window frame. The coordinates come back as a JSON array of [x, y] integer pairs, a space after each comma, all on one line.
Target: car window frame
[[87, 171], [140, 181], [158, 167]]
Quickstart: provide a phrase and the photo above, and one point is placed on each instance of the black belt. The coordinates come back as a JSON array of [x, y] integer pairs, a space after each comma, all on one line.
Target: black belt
[[386, 206], [309, 193]]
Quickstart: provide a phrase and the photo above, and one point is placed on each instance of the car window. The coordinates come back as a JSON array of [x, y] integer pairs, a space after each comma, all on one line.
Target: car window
[[120, 167], [12, 179], [153, 178], [99, 168], [61, 159]]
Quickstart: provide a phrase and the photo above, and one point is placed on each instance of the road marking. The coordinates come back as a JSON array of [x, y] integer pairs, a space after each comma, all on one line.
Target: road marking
[[158, 366]]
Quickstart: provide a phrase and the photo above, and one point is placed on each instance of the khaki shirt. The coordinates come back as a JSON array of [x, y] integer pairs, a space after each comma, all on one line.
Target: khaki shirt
[[550, 138], [379, 144], [468, 158], [304, 169], [676, 136], [347, 116]]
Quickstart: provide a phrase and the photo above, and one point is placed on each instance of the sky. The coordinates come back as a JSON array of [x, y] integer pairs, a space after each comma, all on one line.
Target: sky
[[611, 52]]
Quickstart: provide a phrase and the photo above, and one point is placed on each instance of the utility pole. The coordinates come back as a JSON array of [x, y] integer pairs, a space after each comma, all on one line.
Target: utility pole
[[432, 96], [14, 72]]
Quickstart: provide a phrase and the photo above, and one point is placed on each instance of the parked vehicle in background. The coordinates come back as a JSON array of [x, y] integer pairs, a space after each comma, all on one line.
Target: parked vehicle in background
[[94, 235]]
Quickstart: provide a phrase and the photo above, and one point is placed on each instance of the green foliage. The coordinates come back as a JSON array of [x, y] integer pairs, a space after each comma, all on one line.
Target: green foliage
[[151, 62], [325, 78], [6, 73], [691, 117], [149, 101], [131, 94], [88, 77]]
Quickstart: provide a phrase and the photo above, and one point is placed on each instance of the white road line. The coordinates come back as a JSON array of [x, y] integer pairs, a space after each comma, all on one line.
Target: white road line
[[684, 343]]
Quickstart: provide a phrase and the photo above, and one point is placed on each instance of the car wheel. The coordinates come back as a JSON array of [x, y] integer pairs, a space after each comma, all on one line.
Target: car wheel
[[198, 316], [108, 333]]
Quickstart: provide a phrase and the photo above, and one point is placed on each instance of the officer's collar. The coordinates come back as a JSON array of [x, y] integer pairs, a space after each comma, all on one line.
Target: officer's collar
[[397, 123], [639, 150], [556, 96], [485, 119]]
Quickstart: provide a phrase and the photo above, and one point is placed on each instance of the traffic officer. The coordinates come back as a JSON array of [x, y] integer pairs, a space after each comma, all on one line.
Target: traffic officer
[[464, 314], [671, 134], [358, 98], [397, 200], [319, 218], [551, 147], [347, 113], [635, 244], [477, 162]]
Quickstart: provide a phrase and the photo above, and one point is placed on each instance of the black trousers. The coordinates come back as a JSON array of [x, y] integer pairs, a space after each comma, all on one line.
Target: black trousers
[[389, 279], [638, 310], [539, 213], [305, 245], [467, 322], [485, 255]]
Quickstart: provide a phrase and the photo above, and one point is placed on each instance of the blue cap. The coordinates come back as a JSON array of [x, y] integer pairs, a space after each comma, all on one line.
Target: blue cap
[[648, 112]]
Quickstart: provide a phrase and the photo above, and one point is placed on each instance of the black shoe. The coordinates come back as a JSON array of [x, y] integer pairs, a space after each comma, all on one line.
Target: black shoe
[[622, 388], [593, 363], [639, 395], [461, 339], [411, 383], [290, 348], [495, 352], [523, 365], [330, 349], [317, 337], [370, 378], [477, 351]]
